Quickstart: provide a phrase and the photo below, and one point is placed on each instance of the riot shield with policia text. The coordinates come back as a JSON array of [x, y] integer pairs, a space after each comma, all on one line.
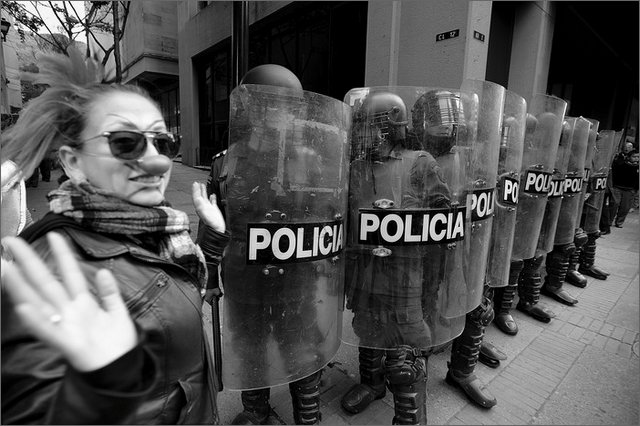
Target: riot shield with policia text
[[567, 219], [407, 217], [287, 179], [602, 158], [542, 137], [580, 237], [530, 281], [592, 208], [557, 263], [509, 165], [556, 189], [588, 164], [487, 123]]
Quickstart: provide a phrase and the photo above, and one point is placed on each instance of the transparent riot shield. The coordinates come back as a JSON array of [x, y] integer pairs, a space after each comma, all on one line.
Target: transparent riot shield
[[542, 136], [556, 189], [568, 216], [484, 174], [509, 165], [287, 185], [588, 163], [604, 152], [407, 217]]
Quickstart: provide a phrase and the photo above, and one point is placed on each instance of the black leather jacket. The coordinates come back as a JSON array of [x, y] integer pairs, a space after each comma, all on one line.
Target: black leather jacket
[[165, 303]]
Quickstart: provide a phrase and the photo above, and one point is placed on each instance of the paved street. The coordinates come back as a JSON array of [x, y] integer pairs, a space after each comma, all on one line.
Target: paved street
[[581, 368]]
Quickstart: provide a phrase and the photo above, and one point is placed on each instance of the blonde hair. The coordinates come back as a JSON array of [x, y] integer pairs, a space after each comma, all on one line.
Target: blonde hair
[[58, 115]]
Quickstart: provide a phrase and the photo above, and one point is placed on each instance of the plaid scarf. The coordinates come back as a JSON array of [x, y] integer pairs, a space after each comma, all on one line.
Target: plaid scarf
[[97, 210]]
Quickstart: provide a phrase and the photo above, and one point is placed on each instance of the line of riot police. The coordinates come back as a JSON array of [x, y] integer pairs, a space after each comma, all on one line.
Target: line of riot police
[[393, 222]]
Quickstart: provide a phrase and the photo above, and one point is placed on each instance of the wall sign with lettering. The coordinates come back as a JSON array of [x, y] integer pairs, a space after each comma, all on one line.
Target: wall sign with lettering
[[448, 34]]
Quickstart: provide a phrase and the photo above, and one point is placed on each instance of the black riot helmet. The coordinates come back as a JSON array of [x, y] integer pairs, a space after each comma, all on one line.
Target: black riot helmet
[[272, 75], [438, 119], [380, 119]]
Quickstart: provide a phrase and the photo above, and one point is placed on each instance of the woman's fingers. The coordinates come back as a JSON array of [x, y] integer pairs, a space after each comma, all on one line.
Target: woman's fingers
[[70, 270], [109, 292], [35, 272], [18, 287]]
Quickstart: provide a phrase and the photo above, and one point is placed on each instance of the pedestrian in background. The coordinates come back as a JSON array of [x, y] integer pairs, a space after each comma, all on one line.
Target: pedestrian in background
[[624, 173], [113, 144]]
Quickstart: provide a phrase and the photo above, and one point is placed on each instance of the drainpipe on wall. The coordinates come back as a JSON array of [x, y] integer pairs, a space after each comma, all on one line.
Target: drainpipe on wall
[[239, 41]]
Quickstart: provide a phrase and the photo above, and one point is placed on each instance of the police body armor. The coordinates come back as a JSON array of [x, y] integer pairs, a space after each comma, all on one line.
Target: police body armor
[[468, 348], [542, 137], [286, 171], [604, 150], [558, 260]]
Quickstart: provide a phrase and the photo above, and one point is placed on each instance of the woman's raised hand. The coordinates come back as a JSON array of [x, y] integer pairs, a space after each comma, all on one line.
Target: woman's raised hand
[[90, 331], [207, 208]]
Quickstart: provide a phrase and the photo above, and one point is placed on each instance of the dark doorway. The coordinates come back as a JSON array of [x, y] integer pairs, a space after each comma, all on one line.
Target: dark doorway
[[594, 62]]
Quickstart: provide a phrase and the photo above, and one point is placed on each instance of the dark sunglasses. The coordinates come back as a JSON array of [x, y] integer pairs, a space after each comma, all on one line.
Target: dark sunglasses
[[131, 145]]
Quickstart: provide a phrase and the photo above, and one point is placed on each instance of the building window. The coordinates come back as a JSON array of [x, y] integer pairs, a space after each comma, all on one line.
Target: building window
[[170, 106], [213, 89], [323, 43]]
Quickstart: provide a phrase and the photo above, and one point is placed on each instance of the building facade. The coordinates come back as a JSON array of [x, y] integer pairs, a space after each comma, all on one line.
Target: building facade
[[566, 49]]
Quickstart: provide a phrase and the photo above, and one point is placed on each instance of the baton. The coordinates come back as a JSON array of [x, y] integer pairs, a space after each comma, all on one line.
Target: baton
[[217, 344]]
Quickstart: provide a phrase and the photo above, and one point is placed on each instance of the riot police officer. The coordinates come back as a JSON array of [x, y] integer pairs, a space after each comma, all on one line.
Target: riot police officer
[[405, 250], [542, 138], [557, 264], [604, 151], [270, 182], [469, 347], [580, 238]]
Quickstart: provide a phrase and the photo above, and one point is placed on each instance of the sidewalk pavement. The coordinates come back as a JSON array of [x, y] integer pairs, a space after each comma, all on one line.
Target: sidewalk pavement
[[581, 368]]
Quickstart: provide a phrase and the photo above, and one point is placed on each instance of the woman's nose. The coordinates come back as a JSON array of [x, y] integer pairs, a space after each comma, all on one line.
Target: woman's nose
[[154, 164]]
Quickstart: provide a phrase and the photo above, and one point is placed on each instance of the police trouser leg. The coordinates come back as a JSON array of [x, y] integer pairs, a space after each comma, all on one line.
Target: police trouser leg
[[588, 258], [503, 300], [305, 398], [372, 383], [256, 407], [406, 370], [529, 285], [573, 276], [465, 353], [557, 267]]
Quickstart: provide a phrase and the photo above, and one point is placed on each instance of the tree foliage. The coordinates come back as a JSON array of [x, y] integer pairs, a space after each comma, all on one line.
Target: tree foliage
[[74, 18]]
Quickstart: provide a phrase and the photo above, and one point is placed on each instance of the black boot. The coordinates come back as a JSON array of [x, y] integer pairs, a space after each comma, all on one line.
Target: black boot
[[305, 398], [557, 266], [529, 285], [490, 355], [465, 353], [588, 258], [407, 379], [573, 276], [256, 408], [503, 301], [372, 384]]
